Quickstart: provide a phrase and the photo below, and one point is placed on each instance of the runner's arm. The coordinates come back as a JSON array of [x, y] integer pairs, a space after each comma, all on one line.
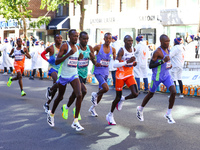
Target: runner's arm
[[114, 53], [11, 52], [27, 53], [92, 57], [153, 63], [45, 52]]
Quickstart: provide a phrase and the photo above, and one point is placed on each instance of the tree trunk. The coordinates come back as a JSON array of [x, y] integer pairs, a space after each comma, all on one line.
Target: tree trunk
[[24, 29], [82, 17]]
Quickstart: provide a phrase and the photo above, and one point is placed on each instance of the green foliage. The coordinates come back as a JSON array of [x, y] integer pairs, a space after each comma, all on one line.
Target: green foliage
[[40, 21], [52, 5]]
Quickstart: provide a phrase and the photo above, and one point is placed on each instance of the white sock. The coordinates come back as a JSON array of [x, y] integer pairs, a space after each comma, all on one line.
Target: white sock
[[141, 108], [169, 111], [92, 107]]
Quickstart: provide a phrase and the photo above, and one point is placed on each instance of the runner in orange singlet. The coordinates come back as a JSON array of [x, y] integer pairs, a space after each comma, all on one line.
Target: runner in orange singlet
[[19, 55], [124, 74]]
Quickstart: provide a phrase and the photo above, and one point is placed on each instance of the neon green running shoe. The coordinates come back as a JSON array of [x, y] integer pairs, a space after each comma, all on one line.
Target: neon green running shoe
[[74, 111], [23, 93], [9, 82], [64, 112]]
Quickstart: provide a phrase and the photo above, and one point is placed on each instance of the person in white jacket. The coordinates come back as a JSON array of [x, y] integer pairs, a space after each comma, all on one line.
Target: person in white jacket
[[141, 69], [7, 61], [177, 60], [117, 46], [37, 60]]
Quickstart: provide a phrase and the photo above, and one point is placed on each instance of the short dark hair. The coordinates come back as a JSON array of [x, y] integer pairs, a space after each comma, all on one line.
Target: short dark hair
[[19, 39], [56, 36], [162, 36], [83, 32], [70, 31], [107, 33], [126, 37]]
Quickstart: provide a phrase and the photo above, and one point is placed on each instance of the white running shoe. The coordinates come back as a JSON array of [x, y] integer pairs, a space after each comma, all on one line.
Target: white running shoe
[[139, 114], [77, 126], [48, 93], [93, 112], [169, 118], [181, 96], [5, 73], [50, 119], [110, 119], [94, 98], [120, 103]]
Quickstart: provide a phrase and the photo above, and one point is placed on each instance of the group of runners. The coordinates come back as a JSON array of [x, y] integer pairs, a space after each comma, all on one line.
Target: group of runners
[[68, 64]]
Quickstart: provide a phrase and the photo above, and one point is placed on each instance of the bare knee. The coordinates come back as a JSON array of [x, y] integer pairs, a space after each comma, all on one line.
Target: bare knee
[[84, 92], [150, 94], [79, 96]]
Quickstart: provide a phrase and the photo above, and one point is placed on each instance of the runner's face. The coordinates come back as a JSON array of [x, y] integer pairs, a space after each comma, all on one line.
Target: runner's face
[[129, 42], [165, 42], [19, 43], [108, 39], [58, 39], [84, 39], [73, 37]]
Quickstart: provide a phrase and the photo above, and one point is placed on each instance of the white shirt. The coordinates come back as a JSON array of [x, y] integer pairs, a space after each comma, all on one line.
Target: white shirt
[[177, 56]]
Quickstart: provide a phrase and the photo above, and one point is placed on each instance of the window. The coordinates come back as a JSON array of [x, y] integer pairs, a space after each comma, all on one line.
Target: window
[[190, 3], [128, 5], [60, 10], [171, 3], [107, 6], [127, 31], [156, 4]]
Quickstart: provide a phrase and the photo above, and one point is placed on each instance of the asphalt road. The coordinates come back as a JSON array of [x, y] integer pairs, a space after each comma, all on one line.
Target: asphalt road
[[23, 123]]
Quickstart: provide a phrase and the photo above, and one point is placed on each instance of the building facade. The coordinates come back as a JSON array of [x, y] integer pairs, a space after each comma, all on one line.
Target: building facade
[[149, 18]]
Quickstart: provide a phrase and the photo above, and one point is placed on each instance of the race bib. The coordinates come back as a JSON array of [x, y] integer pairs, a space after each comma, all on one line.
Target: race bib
[[104, 63], [72, 62], [168, 64], [18, 57], [83, 63]]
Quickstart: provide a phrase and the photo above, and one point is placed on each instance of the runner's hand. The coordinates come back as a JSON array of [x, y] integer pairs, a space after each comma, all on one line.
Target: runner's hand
[[80, 56], [132, 59], [22, 52], [51, 60], [166, 59], [98, 65], [134, 63]]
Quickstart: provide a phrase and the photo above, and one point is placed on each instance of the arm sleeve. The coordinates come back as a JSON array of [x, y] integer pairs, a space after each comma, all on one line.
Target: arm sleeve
[[153, 64], [43, 55], [118, 64]]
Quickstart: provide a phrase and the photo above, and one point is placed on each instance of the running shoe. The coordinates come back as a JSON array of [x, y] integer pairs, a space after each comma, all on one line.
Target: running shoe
[[110, 119], [48, 93], [94, 98], [46, 107], [31, 78], [181, 96], [5, 73], [23, 93], [139, 114], [50, 119], [93, 112], [169, 118], [64, 112], [120, 103], [9, 81], [74, 111], [77, 126]]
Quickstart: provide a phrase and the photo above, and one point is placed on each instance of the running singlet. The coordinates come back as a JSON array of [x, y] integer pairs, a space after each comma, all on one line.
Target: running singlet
[[19, 58], [104, 60], [83, 63], [56, 50], [68, 68], [127, 70], [161, 72]]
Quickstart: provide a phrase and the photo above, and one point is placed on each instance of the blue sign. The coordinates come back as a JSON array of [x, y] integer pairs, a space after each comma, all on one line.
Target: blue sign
[[9, 23]]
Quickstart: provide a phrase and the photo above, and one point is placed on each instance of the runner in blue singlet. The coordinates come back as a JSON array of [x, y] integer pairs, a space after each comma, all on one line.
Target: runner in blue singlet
[[160, 65]]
